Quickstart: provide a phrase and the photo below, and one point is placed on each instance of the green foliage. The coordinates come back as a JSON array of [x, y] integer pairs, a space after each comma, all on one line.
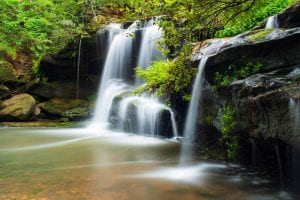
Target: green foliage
[[36, 27], [164, 78], [230, 140], [234, 73]]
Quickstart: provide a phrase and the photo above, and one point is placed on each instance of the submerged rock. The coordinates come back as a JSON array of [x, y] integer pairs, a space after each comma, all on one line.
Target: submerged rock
[[19, 107]]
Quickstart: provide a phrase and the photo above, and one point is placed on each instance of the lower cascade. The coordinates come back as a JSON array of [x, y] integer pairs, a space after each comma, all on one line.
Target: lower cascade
[[115, 104]]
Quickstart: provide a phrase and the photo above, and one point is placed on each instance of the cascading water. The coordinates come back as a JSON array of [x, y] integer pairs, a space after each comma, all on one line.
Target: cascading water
[[148, 116], [115, 76], [78, 68], [114, 72], [192, 116], [272, 22]]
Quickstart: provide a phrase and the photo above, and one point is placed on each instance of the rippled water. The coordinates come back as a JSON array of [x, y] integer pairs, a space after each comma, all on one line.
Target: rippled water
[[92, 164]]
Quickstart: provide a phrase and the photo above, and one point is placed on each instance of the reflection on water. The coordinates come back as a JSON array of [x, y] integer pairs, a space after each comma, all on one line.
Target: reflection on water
[[93, 164]]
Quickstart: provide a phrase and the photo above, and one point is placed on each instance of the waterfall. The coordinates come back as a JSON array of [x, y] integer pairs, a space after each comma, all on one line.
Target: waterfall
[[78, 68], [272, 22], [192, 116], [294, 110], [136, 114]]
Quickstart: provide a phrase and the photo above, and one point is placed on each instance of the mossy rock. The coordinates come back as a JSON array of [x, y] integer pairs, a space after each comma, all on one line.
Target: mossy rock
[[259, 35], [77, 112], [59, 106], [4, 91], [7, 72], [19, 107]]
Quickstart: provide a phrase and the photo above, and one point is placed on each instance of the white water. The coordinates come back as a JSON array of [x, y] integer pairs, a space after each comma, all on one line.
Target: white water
[[192, 116], [272, 22], [78, 68]]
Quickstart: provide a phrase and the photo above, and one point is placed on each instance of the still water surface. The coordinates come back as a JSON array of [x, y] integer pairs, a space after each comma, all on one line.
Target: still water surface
[[90, 164]]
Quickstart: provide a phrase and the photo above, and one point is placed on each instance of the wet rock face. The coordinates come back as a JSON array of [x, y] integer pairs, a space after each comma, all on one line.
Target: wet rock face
[[262, 104], [66, 89], [64, 64], [273, 49], [19, 107], [289, 18]]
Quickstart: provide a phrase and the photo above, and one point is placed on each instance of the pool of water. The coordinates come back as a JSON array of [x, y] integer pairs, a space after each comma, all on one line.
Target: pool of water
[[100, 164]]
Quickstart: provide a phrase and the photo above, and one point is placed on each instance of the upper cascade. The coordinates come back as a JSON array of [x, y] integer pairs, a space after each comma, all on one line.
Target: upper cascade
[[272, 22]]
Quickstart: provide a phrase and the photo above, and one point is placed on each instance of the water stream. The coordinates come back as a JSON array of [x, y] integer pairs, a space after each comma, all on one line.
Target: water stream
[[78, 68], [93, 164]]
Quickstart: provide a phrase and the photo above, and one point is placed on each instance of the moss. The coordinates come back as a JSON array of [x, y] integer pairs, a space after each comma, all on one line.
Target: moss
[[260, 34], [7, 72]]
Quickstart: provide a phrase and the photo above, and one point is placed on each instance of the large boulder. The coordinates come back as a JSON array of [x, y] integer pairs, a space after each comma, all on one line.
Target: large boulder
[[19, 107], [271, 48]]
